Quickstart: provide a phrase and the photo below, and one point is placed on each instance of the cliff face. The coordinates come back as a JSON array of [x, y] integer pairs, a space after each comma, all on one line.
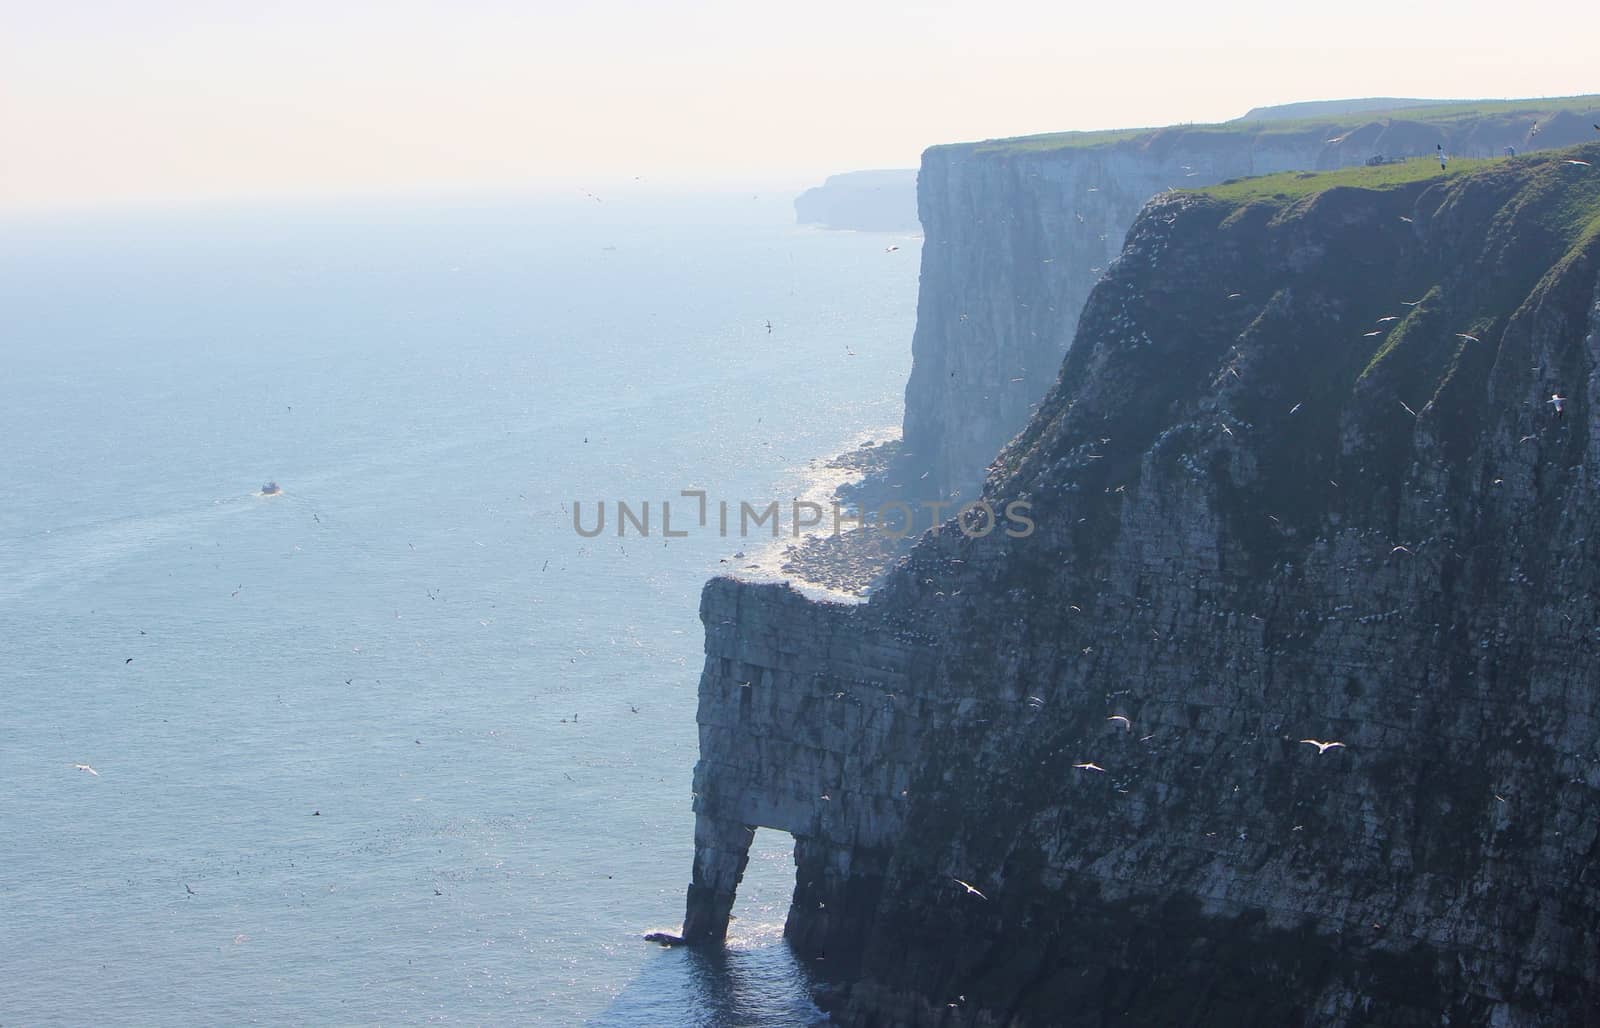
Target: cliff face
[[1018, 232], [1280, 496], [867, 201]]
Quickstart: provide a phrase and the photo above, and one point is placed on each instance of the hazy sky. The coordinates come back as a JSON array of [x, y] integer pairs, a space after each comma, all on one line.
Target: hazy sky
[[162, 100]]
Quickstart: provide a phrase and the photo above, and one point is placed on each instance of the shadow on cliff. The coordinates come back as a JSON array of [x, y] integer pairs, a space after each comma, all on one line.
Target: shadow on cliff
[[749, 984]]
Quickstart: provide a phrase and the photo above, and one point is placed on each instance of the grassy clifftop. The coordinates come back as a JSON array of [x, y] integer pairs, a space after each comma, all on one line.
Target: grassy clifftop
[[1293, 185], [1561, 188], [1449, 121]]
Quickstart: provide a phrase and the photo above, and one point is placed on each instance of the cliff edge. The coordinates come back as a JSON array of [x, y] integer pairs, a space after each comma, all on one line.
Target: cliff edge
[[1299, 479], [1018, 231]]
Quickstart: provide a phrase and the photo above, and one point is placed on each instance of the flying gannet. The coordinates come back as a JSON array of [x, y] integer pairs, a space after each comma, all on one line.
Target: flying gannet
[[970, 889]]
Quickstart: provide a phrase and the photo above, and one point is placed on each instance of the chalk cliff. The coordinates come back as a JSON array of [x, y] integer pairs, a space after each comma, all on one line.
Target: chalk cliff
[[1018, 231], [1299, 479]]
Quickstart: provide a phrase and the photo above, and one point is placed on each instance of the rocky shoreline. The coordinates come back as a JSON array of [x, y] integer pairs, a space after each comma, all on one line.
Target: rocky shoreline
[[854, 562]]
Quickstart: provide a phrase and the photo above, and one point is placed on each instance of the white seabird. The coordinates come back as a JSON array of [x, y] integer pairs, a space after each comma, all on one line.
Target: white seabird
[[971, 889]]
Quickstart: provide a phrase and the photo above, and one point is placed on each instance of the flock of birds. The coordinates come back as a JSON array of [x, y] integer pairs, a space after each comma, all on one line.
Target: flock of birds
[[1443, 158], [1089, 765]]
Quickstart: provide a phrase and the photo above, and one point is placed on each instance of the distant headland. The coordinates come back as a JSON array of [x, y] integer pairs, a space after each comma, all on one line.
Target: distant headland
[[866, 201]]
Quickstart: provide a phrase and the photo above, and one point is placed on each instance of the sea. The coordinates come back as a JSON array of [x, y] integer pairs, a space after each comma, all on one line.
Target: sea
[[397, 744]]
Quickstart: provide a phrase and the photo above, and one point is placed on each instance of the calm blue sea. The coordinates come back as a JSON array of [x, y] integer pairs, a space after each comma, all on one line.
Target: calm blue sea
[[368, 750]]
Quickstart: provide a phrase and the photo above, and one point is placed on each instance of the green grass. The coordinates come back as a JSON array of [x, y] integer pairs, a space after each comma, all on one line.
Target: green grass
[[1292, 185], [1393, 341], [1486, 108], [1058, 141], [1443, 115], [1580, 212], [1433, 114]]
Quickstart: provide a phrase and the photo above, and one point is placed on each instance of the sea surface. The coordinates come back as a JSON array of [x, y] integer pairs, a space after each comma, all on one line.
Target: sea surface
[[396, 745]]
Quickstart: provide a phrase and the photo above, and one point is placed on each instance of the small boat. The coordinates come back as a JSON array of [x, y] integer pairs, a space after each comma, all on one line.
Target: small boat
[[271, 489]]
